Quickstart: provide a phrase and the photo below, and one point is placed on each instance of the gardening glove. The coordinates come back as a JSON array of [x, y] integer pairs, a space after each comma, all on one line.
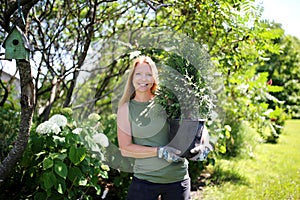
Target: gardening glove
[[203, 148], [170, 154]]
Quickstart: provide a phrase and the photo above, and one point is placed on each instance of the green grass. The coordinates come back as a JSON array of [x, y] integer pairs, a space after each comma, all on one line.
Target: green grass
[[273, 172]]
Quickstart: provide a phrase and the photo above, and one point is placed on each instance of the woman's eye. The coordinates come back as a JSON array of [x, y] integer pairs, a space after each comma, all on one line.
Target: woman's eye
[[149, 75]]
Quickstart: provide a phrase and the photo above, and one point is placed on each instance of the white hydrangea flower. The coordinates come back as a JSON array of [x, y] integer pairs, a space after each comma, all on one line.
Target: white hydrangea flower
[[77, 131], [101, 139], [94, 117], [60, 120], [48, 127]]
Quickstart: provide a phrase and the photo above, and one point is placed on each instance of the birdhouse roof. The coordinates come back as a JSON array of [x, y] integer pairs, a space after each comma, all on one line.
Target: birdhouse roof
[[24, 38]]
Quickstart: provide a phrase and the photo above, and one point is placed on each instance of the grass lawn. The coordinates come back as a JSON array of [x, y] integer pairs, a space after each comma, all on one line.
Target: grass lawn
[[273, 172]]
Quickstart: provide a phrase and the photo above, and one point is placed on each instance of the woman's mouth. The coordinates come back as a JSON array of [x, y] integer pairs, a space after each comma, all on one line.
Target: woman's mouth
[[143, 84]]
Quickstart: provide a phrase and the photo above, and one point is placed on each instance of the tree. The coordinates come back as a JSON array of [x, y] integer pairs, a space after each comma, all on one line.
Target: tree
[[283, 69], [27, 93]]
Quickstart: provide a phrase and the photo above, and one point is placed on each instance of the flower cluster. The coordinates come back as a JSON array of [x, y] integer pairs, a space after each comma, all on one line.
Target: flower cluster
[[86, 133], [101, 139], [52, 125], [72, 149], [48, 127], [60, 120], [77, 131]]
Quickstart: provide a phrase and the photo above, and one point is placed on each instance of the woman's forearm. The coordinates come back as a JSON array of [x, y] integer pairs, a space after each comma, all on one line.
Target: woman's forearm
[[138, 151]]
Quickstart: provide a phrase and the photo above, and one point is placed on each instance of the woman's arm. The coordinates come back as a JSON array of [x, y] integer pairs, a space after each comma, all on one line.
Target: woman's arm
[[127, 148]]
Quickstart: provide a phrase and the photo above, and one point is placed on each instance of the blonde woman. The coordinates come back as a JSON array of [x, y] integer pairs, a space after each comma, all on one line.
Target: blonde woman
[[143, 135]]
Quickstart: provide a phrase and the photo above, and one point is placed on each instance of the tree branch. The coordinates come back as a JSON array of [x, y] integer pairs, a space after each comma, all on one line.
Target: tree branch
[[150, 4]]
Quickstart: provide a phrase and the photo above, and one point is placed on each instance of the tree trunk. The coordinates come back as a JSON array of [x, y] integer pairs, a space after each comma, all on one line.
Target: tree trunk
[[27, 102]]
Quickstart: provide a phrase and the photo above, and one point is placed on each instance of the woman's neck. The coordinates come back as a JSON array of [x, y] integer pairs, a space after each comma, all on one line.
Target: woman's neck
[[143, 97]]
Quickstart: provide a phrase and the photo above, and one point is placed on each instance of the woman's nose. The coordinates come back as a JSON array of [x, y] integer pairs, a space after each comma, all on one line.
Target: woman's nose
[[144, 77]]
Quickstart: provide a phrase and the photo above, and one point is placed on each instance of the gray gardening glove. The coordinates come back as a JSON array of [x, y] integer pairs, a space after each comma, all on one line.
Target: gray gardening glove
[[170, 154], [203, 148], [203, 152]]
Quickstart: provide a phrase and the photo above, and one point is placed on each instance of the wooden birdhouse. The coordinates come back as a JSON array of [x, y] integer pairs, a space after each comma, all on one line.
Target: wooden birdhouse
[[16, 45]]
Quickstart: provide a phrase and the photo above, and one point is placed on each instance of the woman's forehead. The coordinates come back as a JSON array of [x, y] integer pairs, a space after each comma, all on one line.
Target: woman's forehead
[[142, 66]]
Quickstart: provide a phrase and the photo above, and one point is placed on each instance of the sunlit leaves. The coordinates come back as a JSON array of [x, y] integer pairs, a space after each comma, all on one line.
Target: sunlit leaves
[[77, 155], [47, 163], [61, 169]]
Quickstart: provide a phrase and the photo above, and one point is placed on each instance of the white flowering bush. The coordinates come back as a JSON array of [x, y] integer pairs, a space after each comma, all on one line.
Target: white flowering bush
[[101, 139], [66, 158], [48, 127], [60, 120]]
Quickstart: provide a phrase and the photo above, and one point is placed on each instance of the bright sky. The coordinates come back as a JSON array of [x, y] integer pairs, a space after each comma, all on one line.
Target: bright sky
[[285, 12]]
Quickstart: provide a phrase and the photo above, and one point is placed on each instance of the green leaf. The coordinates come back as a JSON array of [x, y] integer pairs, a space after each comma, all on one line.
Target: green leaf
[[48, 179], [222, 149], [60, 156], [47, 163], [227, 134], [94, 180], [98, 189], [37, 144], [275, 88], [103, 174], [59, 189], [61, 186], [276, 113], [77, 155], [39, 154], [58, 139], [40, 195], [61, 169], [74, 175], [83, 182]]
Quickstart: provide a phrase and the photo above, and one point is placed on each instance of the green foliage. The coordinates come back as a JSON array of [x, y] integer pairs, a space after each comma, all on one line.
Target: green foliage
[[239, 43], [64, 164], [9, 129], [284, 71], [247, 100], [184, 93], [268, 174]]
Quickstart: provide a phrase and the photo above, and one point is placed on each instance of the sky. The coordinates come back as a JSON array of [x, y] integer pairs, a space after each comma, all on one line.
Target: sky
[[285, 12]]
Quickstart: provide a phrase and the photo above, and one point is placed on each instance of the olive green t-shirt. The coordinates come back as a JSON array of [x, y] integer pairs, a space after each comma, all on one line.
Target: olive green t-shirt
[[149, 127]]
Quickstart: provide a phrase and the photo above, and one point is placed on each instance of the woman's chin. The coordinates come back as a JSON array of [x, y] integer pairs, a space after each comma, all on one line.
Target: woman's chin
[[142, 89]]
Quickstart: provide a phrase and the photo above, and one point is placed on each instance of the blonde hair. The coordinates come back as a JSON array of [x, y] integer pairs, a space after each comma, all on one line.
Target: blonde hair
[[129, 91]]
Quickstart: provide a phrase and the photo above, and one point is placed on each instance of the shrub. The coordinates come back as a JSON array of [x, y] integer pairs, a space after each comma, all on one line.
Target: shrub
[[63, 160]]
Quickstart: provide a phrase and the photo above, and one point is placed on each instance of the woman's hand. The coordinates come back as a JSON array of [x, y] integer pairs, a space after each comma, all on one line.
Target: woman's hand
[[203, 148], [170, 154]]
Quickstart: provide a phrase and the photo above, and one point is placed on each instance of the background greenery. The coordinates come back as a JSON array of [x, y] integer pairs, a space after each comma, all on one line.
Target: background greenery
[[272, 172], [258, 62]]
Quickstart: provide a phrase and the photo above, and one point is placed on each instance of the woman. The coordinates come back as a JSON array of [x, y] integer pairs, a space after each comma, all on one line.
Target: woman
[[143, 135]]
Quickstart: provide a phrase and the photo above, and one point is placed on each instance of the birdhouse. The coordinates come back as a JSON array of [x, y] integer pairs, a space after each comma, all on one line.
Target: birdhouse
[[16, 45]]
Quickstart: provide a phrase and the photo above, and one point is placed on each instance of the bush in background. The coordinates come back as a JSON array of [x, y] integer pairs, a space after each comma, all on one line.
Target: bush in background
[[63, 160]]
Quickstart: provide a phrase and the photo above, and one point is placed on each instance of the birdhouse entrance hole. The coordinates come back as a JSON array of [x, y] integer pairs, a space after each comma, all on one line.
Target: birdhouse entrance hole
[[15, 42]]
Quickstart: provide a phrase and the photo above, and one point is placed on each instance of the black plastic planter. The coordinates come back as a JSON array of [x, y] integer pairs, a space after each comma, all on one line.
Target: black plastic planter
[[185, 134]]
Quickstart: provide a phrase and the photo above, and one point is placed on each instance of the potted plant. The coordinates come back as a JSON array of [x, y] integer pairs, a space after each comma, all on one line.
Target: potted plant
[[187, 100]]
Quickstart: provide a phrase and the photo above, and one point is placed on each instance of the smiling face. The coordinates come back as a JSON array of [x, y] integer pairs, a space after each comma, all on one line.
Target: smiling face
[[142, 78]]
